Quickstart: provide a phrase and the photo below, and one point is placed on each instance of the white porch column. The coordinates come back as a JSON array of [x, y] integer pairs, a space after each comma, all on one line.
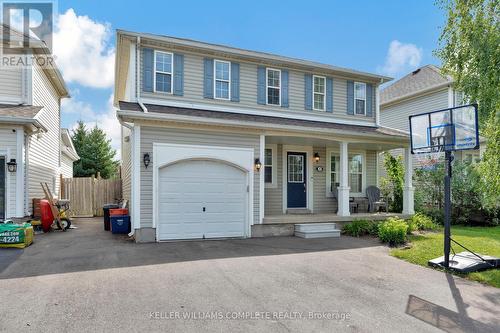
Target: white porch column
[[262, 183], [408, 190], [343, 189]]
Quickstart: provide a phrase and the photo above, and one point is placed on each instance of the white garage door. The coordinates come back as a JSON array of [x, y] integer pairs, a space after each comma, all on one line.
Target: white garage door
[[201, 199]]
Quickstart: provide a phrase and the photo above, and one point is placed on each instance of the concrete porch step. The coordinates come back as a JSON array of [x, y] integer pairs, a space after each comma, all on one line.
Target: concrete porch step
[[316, 230]]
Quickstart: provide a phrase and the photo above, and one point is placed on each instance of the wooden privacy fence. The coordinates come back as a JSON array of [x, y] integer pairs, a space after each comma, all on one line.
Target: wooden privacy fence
[[87, 195]]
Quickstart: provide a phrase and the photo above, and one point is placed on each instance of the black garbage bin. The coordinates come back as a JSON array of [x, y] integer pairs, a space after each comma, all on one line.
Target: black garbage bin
[[106, 209]]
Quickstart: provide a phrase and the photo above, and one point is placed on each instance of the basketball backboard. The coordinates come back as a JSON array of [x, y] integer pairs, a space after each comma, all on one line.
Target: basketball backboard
[[445, 130]]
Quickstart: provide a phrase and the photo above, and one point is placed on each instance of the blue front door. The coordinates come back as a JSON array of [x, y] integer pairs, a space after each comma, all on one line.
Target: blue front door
[[296, 183]]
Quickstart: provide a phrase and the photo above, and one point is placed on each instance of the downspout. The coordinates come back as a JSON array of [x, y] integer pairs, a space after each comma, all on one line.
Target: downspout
[[138, 75]]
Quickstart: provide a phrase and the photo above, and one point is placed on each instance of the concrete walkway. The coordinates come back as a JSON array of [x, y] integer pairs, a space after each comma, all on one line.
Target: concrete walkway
[[89, 280]]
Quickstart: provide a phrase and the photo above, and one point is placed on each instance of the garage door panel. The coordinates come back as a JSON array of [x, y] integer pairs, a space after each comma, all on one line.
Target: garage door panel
[[186, 187]]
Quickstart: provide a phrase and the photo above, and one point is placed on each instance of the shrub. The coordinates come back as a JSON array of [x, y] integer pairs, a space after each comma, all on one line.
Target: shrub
[[373, 228], [357, 228], [421, 221], [393, 231], [436, 215], [392, 185]]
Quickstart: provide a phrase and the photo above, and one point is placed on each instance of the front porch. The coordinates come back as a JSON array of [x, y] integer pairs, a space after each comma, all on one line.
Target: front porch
[[321, 180]]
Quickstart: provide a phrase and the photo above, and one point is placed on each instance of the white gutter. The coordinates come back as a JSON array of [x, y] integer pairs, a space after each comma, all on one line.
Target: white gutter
[[23, 121], [137, 75]]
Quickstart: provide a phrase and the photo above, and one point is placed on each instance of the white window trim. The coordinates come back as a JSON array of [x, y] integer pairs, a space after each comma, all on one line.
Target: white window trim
[[268, 86], [336, 151], [284, 176], [228, 81], [161, 72], [364, 113], [274, 150], [317, 93]]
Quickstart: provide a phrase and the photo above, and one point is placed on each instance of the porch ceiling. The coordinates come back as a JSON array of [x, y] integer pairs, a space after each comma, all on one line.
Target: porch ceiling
[[324, 142]]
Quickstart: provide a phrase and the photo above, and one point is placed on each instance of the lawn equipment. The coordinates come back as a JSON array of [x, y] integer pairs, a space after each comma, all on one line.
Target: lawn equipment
[[54, 211]]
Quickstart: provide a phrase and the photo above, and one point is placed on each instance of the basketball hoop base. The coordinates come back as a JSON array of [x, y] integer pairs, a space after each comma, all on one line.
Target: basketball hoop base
[[466, 262]]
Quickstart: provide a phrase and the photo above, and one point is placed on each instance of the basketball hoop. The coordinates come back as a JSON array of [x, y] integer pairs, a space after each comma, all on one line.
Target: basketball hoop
[[433, 133]]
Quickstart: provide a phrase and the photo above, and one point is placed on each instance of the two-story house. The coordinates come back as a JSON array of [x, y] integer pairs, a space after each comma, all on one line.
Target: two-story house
[[423, 90], [224, 142], [30, 131]]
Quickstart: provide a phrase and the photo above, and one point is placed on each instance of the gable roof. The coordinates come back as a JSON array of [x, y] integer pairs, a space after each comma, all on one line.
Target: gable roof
[[67, 146], [422, 79]]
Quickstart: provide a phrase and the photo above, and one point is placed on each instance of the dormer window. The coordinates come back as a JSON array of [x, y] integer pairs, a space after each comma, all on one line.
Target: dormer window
[[360, 98], [222, 79], [273, 86], [163, 72]]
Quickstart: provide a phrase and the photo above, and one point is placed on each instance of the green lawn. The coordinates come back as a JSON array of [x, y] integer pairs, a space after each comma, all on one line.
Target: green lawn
[[484, 240]]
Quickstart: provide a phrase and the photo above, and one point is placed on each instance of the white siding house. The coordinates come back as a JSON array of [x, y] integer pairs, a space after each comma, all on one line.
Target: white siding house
[[423, 90], [68, 154], [29, 135]]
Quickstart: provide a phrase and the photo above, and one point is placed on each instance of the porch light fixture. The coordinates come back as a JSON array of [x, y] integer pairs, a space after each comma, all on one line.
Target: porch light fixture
[[12, 165], [316, 157], [146, 159], [258, 165]]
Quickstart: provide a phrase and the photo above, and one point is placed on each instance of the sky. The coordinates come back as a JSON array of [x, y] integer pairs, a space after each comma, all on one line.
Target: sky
[[387, 37]]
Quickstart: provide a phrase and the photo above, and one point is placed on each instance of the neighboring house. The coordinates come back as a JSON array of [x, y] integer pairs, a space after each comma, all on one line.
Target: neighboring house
[[68, 154], [29, 133], [423, 90], [218, 140]]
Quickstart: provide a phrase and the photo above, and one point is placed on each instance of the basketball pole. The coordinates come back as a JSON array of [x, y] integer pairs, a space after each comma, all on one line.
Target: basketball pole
[[447, 208]]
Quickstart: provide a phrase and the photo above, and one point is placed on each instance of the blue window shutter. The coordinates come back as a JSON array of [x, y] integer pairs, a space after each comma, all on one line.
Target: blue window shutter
[[235, 82], [178, 74], [261, 85], [369, 100], [147, 71], [308, 82], [284, 89], [329, 94], [208, 84], [350, 97]]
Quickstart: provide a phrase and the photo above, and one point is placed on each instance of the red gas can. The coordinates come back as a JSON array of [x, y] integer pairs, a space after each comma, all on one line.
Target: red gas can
[[47, 218]]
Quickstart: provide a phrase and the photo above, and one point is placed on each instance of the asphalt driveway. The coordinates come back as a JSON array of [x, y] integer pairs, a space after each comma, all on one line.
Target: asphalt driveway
[[89, 280]]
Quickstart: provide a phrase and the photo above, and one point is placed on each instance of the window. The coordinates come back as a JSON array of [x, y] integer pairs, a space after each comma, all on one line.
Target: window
[[355, 172], [273, 86], [334, 172], [295, 168], [459, 98], [163, 72], [222, 79], [268, 166], [360, 98], [319, 93]]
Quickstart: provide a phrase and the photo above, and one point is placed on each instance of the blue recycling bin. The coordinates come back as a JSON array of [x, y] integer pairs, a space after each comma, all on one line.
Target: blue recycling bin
[[120, 224]]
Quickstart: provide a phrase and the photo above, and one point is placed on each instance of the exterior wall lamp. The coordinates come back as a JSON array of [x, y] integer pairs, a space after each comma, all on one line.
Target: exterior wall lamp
[[146, 160], [316, 157], [258, 164], [12, 165]]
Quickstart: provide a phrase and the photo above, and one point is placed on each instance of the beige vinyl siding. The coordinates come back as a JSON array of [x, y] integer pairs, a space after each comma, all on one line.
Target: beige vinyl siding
[[193, 90], [322, 202], [44, 152], [149, 135], [396, 115], [8, 148], [126, 164], [66, 166], [273, 204], [11, 84]]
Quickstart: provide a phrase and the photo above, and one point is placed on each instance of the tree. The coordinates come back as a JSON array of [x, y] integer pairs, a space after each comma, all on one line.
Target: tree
[[470, 52], [392, 185], [95, 151]]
